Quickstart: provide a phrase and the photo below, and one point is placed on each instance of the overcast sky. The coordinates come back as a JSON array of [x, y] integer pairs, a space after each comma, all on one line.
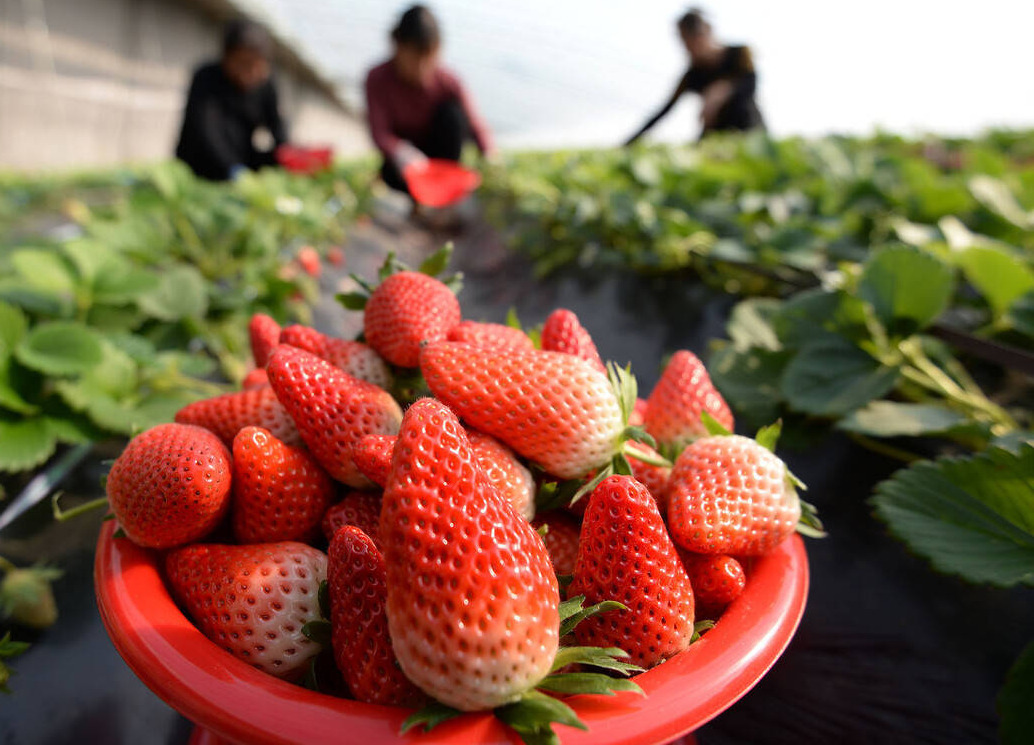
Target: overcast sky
[[588, 71]]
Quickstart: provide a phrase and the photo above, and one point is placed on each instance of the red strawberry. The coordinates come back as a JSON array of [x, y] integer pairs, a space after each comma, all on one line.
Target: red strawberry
[[654, 478], [563, 333], [228, 414], [505, 472], [372, 456], [638, 416], [553, 408], [331, 409], [683, 392], [309, 261], [625, 554], [279, 492], [252, 600], [494, 336], [359, 508], [170, 486], [265, 334], [356, 359], [257, 378], [336, 256], [561, 539], [406, 310], [717, 580], [729, 495], [472, 598], [357, 585]]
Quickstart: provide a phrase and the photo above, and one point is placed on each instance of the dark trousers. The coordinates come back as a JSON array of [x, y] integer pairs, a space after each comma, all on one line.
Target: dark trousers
[[444, 139]]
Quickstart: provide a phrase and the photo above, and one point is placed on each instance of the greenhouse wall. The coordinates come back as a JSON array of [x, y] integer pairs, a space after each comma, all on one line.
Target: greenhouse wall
[[87, 83]]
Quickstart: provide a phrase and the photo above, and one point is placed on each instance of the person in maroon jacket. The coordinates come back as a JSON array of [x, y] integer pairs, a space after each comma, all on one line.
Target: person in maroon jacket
[[416, 108]]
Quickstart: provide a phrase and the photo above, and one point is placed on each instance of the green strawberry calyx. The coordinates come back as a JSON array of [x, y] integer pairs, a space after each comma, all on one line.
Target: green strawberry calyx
[[432, 266], [809, 523], [532, 716], [8, 648]]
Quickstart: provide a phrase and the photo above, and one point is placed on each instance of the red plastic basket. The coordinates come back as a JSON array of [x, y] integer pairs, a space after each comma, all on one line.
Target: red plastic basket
[[304, 159], [440, 183], [237, 703]]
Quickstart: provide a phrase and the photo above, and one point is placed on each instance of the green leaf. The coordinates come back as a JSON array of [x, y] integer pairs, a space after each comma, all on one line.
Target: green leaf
[[512, 320], [893, 419], [180, 294], [907, 287], [749, 381], [712, 425], [768, 436], [435, 264], [319, 632], [1014, 701], [1021, 313], [533, 715], [60, 348], [606, 658], [969, 516], [998, 275], [750, 324], [16, 292], [25, 443], [13, 325], [574, 617], [118, 281], [17, 386], [995, 195], [352, 300], [429, 717], [587, 683], [44, 270], [833, 377]]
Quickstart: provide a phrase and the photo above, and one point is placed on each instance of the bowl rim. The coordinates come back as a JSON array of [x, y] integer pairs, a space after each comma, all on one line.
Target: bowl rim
[[196, 677]]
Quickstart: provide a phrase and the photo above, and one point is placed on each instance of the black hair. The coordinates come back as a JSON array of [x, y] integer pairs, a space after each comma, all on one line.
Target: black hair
[[693, 22], [245, 34], [418, 28]]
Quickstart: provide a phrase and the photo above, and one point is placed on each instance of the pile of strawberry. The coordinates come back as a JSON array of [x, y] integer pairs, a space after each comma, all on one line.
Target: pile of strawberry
[[504, 475]]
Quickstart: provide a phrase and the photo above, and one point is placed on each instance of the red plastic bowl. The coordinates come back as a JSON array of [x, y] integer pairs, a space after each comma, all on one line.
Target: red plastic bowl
[[440, 183], [304, 159], [241, 704]]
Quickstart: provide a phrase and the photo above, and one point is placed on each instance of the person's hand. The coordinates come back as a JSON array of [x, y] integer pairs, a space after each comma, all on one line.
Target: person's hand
[[407, 154], [715, 96]]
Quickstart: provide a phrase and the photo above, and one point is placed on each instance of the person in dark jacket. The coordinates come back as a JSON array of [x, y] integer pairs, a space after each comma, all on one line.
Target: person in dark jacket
[[723, 76], [229, 101], [416, 108]]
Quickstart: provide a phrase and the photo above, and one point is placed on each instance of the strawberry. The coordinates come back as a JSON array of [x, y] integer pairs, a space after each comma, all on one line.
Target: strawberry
[[360, 509], [336, 256], [505, 472], [561, 539], [355, 358], [563, 333], [717, 580], [494, 336], [309, 261], [405, 310], [472, 598], [357, 585], [280, 492], [257, 378], [372, 456], [730, 495], [331, 409], [625, 554], [252, 600], [228, 414], [674, 407], [170, 486], [265, 334], [553, 408], [654, 478]]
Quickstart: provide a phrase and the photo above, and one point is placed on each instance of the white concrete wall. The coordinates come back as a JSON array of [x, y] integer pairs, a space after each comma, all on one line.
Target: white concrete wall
[[87, 83]]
